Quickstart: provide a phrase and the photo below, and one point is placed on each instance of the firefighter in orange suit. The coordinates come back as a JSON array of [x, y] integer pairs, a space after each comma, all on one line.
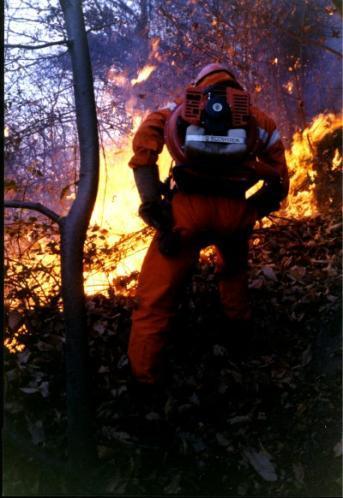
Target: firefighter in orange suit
[[221, 146]]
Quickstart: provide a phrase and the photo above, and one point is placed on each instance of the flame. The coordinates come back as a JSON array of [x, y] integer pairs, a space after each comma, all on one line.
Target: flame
[[137, 117], [13, 344], [118, 79], [337, 161], [116, 210], [117, 202], [155, 43], [301, 163], [122, 80], [143, 74]]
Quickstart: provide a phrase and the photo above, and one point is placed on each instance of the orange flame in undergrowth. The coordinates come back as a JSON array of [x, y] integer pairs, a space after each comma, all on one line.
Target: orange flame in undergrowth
[[118, 201], [301, 164], [337, 161], [12, 343], [116, 210], [143, 74], [117, 204]]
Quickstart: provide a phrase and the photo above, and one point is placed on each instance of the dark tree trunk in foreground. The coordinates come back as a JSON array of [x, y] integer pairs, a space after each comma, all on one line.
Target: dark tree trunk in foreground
[[73, 234], [73, 230]]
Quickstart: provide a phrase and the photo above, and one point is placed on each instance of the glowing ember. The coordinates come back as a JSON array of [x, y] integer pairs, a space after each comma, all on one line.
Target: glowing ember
[[337, 161], [155, 42], [143, 74], [289, 86]]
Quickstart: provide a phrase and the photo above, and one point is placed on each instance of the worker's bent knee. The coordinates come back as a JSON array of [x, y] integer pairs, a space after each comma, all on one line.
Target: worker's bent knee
[[146, 354]]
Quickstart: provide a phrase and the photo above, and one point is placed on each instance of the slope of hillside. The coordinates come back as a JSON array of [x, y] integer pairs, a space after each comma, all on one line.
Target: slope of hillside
[[257, 420]]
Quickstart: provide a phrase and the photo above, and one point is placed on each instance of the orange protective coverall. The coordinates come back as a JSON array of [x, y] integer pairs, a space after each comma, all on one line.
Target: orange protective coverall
[[202, 220]]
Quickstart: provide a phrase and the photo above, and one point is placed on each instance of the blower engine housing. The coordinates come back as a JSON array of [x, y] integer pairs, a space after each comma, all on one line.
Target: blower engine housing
[[210, 124], [196, 100]]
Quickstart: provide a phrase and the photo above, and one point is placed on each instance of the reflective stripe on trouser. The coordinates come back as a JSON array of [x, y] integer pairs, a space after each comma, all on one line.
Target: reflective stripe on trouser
[[201, 221]]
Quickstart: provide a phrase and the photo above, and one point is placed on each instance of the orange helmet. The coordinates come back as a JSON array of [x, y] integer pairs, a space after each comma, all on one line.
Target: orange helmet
[[211, 69]]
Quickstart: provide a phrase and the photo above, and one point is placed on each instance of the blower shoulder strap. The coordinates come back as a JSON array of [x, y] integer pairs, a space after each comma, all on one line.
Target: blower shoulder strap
[[252, 135]]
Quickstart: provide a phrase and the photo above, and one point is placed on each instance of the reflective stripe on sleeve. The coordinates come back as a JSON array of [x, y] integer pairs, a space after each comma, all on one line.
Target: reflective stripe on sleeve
[[171, 106], [263, 135], [274, 138]]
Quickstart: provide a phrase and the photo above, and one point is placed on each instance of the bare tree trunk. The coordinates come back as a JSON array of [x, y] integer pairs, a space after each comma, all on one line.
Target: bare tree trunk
[[73, 234], [73, 230]]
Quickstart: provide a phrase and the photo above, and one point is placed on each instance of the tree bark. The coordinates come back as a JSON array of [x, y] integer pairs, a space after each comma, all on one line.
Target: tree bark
[[73, 234], [73, 230]]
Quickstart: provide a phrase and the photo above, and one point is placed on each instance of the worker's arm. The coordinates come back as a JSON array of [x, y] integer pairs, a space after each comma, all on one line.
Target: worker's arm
[[271, 153], [147, 145], [274, 155], [148, 141]]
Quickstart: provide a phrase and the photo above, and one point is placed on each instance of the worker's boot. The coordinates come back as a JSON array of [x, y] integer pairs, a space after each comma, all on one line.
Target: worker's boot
[[238, 337], [144, 421]]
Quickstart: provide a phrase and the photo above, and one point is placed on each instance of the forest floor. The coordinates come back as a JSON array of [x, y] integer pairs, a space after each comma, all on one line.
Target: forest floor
[[264, 422]]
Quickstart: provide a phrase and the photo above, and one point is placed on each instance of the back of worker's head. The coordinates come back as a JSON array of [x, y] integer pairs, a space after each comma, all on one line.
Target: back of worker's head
[[216, 73]]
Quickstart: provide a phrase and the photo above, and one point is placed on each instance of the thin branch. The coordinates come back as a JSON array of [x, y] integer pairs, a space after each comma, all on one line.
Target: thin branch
[[125, 7], [101, 27], [339, 6], [309, 42], [290, 220], [35, 47], [36, 206], [59, 42]]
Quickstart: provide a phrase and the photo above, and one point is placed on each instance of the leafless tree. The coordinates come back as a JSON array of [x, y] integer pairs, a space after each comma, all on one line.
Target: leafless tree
[[73, 229]]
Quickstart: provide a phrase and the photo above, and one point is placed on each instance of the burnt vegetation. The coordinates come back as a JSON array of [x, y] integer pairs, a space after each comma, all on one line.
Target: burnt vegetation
[[258, 418], [255, 418]]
